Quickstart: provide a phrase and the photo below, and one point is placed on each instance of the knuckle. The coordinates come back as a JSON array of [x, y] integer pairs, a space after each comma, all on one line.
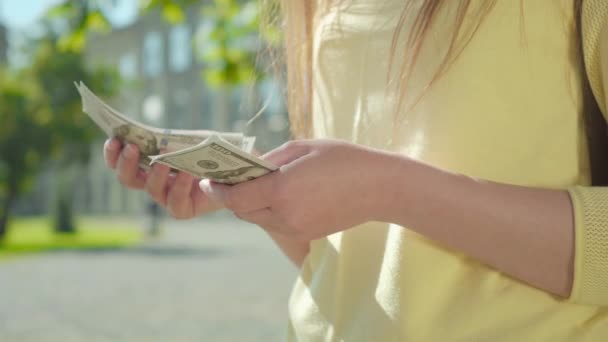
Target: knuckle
[[152, 189], [122, 179], [293, 144], [160, 201], [149, 188], [127, 181], [175, 200], [182, 184], [158, 197], [178, 191], [178, 195], [176, 213], [184, 216], [297, 144]]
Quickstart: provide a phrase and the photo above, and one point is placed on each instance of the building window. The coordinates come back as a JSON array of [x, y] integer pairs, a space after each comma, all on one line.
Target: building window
[[180, 116], [180, 53], [207, 110], [153, 54], [203, 44], [127, 66], [153, 109]]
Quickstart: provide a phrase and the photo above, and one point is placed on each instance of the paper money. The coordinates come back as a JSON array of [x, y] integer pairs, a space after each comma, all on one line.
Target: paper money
[[218, 160], [151, 140], [179, 146]]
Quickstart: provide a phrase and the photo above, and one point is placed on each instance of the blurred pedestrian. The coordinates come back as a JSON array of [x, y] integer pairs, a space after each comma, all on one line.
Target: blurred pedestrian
[[154, 215]]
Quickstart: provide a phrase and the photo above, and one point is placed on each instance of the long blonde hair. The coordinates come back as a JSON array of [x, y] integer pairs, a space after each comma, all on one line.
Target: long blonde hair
[[298, 31]]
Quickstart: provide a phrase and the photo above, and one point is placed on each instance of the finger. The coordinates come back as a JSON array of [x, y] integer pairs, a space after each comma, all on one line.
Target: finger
[[142, 174], [245, 197], [156, 184], [128, 168], [214, 191], [287, 153], [201, 203], [178, 199], [262, 217], [204, 188], [111, 151]]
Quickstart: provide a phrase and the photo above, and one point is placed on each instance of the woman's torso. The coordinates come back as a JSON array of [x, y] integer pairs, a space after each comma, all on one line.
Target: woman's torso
[[507, 110]]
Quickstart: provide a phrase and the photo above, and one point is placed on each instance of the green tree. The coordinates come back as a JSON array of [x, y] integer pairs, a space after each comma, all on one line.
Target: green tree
[[55, 70], [41, 122], [25, 140]]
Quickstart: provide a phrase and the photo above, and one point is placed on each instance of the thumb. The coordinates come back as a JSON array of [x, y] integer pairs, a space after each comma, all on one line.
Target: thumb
[[287, 153]]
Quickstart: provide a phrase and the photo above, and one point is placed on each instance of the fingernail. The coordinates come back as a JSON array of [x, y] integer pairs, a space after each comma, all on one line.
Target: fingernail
[[108, 145], [215, 193], [130, 151]]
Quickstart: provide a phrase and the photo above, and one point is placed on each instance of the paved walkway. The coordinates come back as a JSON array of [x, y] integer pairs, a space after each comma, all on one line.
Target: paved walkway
[[210, 280]]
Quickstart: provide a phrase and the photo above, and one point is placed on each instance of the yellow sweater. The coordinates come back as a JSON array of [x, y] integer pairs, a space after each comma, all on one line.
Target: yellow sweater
[[508, 110]]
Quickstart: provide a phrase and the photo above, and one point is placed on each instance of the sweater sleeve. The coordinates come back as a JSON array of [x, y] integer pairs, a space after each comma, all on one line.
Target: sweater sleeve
[[590, 285]]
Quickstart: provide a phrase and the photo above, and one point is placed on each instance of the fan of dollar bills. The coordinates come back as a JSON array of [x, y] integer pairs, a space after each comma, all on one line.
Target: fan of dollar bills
[[218, 156]]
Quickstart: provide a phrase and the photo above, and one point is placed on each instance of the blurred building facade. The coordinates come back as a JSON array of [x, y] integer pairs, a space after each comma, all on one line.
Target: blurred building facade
[[163, 87]]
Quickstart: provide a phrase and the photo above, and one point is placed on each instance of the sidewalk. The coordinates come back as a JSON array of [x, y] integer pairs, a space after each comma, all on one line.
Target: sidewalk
[[208, 280]]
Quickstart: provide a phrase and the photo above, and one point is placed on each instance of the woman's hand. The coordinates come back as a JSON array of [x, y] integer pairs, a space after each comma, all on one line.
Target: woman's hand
[[322, 187], [180, 194]]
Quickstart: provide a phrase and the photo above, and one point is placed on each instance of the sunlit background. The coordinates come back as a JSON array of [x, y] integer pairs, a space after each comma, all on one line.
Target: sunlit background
[[81, 257]]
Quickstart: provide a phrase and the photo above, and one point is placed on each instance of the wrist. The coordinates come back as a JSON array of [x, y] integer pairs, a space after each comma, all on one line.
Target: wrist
[[411, 190], [392, 187]]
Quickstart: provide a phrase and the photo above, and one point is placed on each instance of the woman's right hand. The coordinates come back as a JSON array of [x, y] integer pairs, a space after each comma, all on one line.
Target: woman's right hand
[[180, 194]]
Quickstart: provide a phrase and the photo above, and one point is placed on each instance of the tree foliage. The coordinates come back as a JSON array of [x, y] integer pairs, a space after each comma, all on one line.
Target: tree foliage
[[82, 17], [24, 138], [227, 44], [55, 72], [41, 117]]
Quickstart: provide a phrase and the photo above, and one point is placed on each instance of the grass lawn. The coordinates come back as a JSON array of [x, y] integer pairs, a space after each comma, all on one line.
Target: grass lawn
[[31, 235]]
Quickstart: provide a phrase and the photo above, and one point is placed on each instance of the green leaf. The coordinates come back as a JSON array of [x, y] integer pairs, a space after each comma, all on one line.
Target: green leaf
[[215, 78], [96, 21], [173, 13], [62, 10], [74, 42], [147, 5]]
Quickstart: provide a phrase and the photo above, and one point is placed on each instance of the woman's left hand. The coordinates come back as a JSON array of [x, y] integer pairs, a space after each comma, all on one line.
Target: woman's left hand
[[322, 187]]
